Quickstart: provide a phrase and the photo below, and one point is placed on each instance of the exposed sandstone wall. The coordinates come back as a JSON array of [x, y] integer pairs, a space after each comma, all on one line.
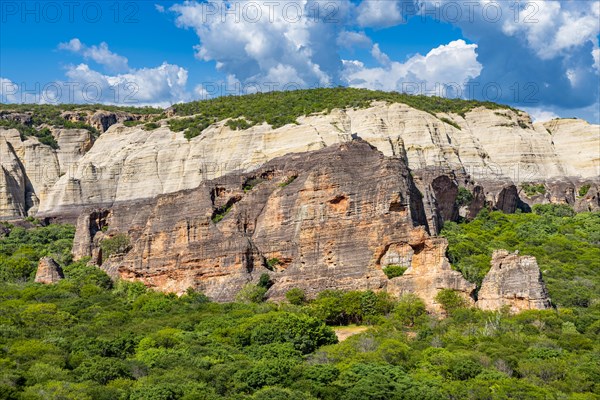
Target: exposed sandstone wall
[[328, 217], [429, 272], [514, 281], [494, 146]]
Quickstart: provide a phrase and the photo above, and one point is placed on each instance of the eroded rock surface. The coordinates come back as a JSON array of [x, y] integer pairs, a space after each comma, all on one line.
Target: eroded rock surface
[[48, 271], [128, 164], [317, 220], [429, 272], [514, 281]]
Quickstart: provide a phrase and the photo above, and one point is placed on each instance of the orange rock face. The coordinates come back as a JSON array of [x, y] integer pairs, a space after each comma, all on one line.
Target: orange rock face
[[48, 271], [318, 220], [326, 219]]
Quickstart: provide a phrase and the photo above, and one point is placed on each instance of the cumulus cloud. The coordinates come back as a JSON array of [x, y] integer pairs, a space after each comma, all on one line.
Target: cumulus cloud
[[287, 43], [351, 40], [540, 115], [9, 91], [100, 54], [159, 86], [383, 13], [445, 70]]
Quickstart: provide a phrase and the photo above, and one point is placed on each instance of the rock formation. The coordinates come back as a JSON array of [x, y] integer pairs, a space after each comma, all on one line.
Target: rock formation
[[48, 271], [514, 281], [317, 220], [493, 149], [429, 272]]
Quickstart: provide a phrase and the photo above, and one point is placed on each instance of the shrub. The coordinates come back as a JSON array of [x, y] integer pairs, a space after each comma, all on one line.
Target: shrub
[[251, 293], [555, 210], [409, 308], [393, 271], [533, 189], [295, 296], [450, 300], [150, 126], [464, 197], [118, 244], [288, 181], [450, 122], [273, 262], [584, 190]]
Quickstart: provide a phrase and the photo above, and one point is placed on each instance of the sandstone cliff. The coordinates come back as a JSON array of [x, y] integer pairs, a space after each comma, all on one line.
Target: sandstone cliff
[[316, 220], [492, 149]]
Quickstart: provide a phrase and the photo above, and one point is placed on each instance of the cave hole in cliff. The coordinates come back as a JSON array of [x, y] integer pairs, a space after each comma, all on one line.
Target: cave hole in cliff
[[396, 206], [251, 182], [337, 199], [267, 175]]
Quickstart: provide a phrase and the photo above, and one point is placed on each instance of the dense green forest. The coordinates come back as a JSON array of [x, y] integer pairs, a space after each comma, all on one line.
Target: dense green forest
[[89, 338]]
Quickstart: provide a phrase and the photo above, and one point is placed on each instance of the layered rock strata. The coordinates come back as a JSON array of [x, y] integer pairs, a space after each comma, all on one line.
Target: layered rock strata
[[492, 149]]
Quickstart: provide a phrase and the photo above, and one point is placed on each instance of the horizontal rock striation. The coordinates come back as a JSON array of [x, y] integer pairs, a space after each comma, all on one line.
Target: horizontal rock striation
[[317, 220], [492, 149]]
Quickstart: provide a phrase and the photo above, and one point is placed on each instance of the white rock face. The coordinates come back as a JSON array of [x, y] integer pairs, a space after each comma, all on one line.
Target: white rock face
[[130, 163], [36, 167]]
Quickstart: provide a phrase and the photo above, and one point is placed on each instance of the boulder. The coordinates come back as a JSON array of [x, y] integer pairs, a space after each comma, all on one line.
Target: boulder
[[48, 271], [514, 281]]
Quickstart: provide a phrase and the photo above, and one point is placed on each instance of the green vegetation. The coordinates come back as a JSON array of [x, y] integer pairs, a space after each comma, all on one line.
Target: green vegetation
[[44, 135], [451, 123], [296, 296], [21, 249], [242, 112], [567, 248], [42, 114], [129, 124], [464, 197], [150, 126], [450, 300], [584, 190], [250, 183], [272, 263], [221, 212], [280, 108], [118, 244], [392, 270], [533, 189], [87, 338], [53, 108]]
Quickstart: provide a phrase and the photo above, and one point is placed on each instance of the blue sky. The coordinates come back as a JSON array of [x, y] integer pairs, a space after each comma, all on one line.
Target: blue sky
[[535, 55]]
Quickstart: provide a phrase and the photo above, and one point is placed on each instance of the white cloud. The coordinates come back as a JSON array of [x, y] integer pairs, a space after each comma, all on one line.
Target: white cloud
[[381, 13], [100, 54], [283, 45], [552, 28], [596, 56], [9, 91], [160, 86], [540, 115], [448, 65], [159, 8], [349, 39]]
